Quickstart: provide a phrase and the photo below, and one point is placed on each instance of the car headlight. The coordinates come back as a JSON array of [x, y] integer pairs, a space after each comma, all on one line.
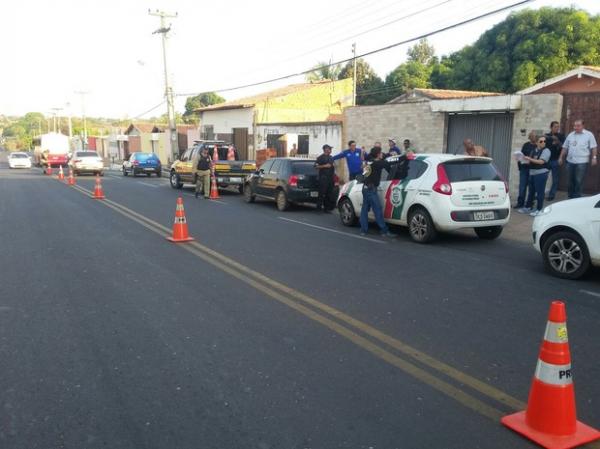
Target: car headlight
[[546, 210]]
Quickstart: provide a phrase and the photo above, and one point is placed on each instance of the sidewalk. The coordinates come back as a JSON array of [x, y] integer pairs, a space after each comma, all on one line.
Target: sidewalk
[[519, 227]]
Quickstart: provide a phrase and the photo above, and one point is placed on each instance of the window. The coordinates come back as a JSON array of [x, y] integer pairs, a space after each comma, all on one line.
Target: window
[[18, 156], [186, 155], [407, 170], [276, 168], [266, 166], [462, 171], [87, 154], [208, 132], [304, 168]]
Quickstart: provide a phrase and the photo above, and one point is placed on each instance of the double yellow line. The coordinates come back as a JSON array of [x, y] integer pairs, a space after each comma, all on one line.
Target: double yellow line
[[449, 381]]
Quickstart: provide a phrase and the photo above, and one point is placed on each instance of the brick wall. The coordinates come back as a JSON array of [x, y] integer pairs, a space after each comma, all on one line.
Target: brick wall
[[415, 121]]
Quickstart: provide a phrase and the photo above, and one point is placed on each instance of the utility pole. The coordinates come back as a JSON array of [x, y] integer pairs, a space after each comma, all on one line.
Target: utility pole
[[70, 121], [168, 89], [354, 74], [83, 93], [55, 111]]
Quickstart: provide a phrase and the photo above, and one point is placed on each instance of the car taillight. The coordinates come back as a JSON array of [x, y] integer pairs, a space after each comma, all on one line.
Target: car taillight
[[336, 180], [77, 161], [442, 185], [293, 181]]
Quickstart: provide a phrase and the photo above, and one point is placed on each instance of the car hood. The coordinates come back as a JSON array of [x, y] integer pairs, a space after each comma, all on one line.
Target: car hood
[[576, 203]]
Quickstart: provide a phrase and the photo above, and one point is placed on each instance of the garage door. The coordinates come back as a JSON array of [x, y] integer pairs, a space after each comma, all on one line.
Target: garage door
[[491, 131]]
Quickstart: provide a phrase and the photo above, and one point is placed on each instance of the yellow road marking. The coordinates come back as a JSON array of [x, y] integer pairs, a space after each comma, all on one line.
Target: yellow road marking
[[255, 279]]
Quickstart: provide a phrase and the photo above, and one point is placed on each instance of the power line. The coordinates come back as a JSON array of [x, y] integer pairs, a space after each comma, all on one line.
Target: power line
[[372, 52], [150, 110]]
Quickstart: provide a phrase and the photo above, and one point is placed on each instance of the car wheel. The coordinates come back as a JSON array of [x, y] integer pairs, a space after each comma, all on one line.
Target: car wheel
[[489, 232], [175, 181], [420, 226], [566, 255], [248, 195], [133, 173], [347, 213], [124, 172], [158, 174], [148, 174], [282, 202]]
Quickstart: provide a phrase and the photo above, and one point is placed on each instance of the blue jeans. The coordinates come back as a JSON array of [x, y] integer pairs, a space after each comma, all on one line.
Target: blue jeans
[[555, 170], [537, 187], [523, 182], [576, 177], [371, 200]]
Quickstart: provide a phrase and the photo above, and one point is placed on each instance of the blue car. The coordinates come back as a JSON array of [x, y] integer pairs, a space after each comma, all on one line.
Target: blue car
[[139, 163]]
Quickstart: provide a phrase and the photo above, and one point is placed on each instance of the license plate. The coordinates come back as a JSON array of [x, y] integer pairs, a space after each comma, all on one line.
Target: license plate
[[235, 181], [222, 180], [483, 216], [149, 169], [314, 194]]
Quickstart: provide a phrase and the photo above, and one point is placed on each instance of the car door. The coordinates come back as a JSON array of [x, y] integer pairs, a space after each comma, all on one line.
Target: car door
[[404, 180], [260, 177], [271, 179]]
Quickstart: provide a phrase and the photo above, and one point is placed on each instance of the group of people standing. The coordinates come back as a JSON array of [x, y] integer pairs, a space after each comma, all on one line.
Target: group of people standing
[[360, 163], [544, 154]]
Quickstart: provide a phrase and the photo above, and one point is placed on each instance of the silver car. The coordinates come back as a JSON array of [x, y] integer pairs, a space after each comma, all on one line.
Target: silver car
[[86, 162]]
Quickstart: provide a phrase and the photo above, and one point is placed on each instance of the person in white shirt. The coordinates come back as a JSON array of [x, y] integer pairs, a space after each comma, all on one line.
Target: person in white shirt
[[577, 149]]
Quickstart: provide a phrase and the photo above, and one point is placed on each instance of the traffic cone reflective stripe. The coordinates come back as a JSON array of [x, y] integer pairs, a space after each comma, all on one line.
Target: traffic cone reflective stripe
[[180, 227], [214, 189], [551, 418], [61, 175], [98, 192]]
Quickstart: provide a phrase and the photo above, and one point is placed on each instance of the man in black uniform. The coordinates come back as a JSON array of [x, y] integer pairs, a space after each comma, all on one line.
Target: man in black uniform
[[372, 178], [326, 171]]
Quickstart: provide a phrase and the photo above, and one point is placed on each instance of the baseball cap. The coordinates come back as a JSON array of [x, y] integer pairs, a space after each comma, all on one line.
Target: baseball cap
[[327, 146]]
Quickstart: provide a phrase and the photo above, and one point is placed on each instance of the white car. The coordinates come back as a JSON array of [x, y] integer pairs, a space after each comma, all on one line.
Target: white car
[[86, 162], [436, 192], [19, 160], [567, 234]]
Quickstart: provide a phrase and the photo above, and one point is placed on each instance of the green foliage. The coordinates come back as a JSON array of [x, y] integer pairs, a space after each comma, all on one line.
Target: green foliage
[[422, 52], [370, 88], [197, 102], [526, 48]]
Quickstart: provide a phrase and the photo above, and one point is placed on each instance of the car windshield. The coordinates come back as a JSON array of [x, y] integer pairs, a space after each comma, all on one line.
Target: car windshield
[[304, 168], [87, 154], [18, 156], [463, 171]]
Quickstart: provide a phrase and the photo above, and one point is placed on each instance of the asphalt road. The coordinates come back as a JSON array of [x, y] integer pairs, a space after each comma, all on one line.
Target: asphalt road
[[272, 330]]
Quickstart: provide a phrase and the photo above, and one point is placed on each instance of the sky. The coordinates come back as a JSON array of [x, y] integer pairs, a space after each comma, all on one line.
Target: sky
[[53, 49]]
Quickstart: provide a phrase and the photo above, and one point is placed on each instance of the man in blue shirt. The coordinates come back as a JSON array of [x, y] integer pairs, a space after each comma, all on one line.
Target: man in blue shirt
[[354, 158], [394, 150]]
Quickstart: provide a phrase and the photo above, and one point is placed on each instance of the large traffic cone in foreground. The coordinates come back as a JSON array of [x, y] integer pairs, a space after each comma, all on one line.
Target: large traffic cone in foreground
[[98, 192], [551, 419], [180, 227], [61, 174], [214, 189], [71, 179]]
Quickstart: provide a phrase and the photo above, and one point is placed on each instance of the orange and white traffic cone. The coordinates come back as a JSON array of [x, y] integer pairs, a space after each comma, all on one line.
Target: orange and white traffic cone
[[214, 189], [551, 418], [71, 179], [49, 169], [180, 227], [230, 153], [215, 156], [61, 175], [98, 192]]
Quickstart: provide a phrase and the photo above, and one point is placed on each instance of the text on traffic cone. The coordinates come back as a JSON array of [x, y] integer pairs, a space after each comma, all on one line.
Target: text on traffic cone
[[180, 227], [551, 418]]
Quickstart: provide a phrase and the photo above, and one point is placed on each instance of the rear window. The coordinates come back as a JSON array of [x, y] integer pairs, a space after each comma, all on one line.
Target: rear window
[[462, 171], [304, 168], [144, 156], [18, 156], [87, 154]]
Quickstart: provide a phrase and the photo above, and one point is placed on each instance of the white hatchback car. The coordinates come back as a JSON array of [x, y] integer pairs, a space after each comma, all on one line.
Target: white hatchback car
[[436, 192], [86, 162], [19, 159], [567, 234]]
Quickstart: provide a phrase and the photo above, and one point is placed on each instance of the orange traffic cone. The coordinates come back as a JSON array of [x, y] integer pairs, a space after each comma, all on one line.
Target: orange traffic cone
[[98, 192], [180, 227], [231, 153], [215, 153], [551, 419], [214, 189], [49, 169], [71, 180], [61, 175]]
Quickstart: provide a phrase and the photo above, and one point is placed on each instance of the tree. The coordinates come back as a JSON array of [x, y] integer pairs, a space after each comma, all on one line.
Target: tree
[[197, 102], [370, 88], [422, 52], [324, 71], [524, 49]]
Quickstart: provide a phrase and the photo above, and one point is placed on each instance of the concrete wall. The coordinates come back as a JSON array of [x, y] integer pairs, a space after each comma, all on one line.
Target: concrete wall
[[536, 113], [319, 134], [224, 120], [415, 121]]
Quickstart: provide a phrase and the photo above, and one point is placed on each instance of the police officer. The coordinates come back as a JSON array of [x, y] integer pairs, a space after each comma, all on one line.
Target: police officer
[[202, 165], [326, 171]]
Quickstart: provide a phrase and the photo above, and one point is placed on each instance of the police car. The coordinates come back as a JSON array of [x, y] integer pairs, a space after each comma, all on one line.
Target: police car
[[429, 193]]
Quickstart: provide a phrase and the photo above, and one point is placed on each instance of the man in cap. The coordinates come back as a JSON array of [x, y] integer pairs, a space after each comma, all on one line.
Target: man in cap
[[201, 165], [326, 171], [394, 150]]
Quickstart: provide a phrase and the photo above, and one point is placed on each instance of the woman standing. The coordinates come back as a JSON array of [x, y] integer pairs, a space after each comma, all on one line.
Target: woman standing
[[538, 175]]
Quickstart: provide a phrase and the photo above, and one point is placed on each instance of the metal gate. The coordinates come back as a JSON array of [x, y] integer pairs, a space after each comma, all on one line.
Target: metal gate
[[240, 141], [491, 131]]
